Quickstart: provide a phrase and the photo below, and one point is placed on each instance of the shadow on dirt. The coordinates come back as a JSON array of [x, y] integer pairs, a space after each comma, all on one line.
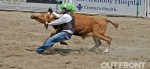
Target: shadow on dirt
[[64, 52]]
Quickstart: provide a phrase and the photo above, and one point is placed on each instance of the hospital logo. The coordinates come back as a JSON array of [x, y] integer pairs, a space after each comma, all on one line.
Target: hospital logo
[[79, 7]]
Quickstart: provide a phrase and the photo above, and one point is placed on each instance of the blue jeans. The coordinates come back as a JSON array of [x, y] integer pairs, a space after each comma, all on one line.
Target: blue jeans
[[61, 36]]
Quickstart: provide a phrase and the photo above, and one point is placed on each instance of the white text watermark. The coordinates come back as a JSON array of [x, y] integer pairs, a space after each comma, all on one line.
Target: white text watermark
[[123, 65]]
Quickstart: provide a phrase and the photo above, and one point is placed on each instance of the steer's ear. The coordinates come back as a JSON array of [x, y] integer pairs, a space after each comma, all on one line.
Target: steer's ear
[[50, 10]]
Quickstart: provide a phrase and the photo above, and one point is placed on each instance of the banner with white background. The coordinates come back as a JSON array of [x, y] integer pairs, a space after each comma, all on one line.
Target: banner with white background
[[114, 7], [27, 5]]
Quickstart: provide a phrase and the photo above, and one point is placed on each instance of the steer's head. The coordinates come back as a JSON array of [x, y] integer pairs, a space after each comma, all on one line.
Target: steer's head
[[43, 17]]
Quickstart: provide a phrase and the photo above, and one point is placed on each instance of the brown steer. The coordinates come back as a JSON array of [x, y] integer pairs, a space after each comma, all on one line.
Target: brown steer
[[85, 26]]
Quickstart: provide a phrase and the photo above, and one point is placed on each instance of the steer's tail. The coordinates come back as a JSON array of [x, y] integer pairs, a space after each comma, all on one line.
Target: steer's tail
[[114, 24]]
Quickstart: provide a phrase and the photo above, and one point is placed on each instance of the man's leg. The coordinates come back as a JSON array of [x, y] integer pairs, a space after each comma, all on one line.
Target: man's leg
[[52, 40]]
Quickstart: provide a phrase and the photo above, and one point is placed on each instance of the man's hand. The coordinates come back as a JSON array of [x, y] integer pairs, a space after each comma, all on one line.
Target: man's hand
[[50, 10]]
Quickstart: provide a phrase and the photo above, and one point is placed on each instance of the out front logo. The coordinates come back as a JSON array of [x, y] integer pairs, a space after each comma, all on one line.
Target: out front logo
[[123, 65], [79, 7]]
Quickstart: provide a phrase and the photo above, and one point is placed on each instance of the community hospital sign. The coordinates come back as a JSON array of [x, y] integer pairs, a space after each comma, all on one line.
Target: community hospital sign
[[114, 7]]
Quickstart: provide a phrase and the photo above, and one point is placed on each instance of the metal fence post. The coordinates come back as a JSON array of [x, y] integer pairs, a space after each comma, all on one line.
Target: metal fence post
[[137, 10], [57, 6], [148, 8]]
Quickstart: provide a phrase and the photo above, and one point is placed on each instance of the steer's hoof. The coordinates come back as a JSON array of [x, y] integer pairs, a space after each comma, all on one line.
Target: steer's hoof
[[96, 50], [106, 51], [92, 49]]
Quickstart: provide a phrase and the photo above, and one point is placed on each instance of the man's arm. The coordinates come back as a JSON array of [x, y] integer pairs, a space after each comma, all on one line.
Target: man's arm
[[57, 15], [63, 19]]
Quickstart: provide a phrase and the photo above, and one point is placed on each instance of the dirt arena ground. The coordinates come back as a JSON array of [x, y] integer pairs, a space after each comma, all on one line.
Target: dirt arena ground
[[20, 36]]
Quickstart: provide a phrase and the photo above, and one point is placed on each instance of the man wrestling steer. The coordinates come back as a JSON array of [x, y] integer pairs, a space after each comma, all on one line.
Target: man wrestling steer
[[85, 26], [65, 23]]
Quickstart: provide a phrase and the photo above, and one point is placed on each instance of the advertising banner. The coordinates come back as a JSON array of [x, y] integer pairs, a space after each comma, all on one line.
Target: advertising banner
[[114, 7], [28, 5]]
